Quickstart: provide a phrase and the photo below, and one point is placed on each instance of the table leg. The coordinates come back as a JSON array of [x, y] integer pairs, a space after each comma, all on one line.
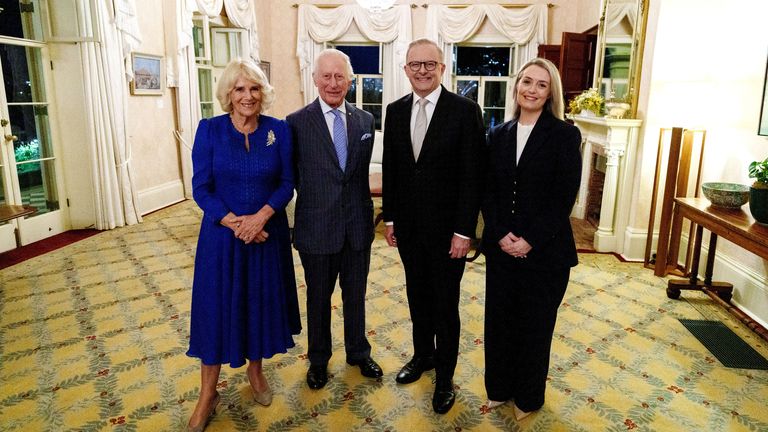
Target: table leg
[[724, 290]]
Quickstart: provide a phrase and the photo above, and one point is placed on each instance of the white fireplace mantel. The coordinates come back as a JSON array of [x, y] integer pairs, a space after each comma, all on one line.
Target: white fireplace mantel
[[616, 139]]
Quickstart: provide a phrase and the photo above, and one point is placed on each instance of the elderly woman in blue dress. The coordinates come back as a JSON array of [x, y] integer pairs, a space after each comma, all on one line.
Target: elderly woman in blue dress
[[244, 304]]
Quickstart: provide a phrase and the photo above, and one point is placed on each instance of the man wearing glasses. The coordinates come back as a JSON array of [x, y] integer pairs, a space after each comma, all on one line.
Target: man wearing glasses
[[433, 141]]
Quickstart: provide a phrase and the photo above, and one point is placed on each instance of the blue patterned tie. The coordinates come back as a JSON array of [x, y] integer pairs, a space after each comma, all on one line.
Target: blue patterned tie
[[340, 138]]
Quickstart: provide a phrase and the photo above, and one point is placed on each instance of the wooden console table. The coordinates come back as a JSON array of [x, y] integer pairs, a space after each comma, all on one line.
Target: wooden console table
[[8, 212], [735, 225]]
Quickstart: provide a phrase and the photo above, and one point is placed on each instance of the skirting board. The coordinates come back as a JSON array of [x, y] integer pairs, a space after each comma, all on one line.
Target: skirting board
[[750, 288], [160, 196]]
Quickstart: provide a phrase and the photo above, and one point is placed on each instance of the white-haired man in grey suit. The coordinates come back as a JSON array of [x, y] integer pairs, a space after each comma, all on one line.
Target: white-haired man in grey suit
[[333, 228]]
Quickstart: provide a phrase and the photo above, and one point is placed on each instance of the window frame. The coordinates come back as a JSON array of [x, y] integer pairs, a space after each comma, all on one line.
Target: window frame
[[358, 78], [483, 79], [243, 45]]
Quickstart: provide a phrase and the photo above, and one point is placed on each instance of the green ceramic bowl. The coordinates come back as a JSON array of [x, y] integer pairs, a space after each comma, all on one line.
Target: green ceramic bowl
[[728, 195]]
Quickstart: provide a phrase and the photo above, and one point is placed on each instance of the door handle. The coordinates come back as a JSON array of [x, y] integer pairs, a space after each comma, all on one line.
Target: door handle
[[11, 138]]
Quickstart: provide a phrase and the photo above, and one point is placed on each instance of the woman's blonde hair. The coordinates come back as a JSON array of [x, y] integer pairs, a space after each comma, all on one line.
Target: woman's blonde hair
[[555, 105], [249, 70]]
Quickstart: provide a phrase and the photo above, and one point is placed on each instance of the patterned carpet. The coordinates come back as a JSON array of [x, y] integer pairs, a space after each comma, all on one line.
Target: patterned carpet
[[92, 337]]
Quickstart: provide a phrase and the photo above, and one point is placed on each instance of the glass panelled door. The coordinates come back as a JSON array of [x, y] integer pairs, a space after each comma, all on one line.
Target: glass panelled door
[[27, 155]]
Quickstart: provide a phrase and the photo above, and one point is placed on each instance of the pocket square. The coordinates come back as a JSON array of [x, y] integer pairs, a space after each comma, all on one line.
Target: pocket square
[[365, 136]]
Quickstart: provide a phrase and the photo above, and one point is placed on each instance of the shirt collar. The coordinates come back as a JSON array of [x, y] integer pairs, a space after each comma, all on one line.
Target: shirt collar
[[432, 97], [326, 108]]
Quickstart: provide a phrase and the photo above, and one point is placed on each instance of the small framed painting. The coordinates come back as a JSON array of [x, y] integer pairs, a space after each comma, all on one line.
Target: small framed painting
[[763, 128], [147, 74]]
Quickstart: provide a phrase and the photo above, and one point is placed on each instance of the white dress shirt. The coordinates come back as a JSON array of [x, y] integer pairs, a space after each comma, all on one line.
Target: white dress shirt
[[329, 117]]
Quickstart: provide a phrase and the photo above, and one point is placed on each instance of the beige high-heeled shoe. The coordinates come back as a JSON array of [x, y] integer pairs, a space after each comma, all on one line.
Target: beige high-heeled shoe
[[211, 413], [491, 404], [262, 398], [520, 414]]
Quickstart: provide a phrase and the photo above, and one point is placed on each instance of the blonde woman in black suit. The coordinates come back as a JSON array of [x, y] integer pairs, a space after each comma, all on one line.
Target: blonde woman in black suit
[[533, 175]]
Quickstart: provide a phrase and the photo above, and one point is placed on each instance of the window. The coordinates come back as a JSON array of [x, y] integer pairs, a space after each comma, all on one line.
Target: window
[[484, 74], [228, 43], [214, 47], [201, 39], [205, 88], [367, 86]]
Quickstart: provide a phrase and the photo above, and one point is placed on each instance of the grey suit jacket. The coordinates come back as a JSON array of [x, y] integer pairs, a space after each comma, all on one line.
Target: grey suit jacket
[[333, 207]]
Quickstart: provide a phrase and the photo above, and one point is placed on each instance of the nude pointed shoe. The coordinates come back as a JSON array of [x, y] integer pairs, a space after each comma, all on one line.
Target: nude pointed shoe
[[262, 398], [211, 412], [520, 414], [491, 404]]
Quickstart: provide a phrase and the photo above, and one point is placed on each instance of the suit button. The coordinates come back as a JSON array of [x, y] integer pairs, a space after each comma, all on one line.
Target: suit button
[[513, 212]]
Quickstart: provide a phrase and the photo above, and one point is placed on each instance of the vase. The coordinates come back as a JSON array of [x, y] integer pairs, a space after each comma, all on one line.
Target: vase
[[587, 113], [758, 204], [616, 110]]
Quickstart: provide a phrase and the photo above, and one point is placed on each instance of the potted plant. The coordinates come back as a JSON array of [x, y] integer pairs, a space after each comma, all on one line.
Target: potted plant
[[758, 192], [589, 103]]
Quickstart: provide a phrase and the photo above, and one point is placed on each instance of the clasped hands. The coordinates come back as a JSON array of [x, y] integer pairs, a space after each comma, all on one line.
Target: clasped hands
[[248, 228], [515, 246]]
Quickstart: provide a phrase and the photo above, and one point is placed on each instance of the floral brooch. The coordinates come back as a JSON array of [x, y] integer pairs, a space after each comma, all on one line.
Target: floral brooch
[[270, 137]]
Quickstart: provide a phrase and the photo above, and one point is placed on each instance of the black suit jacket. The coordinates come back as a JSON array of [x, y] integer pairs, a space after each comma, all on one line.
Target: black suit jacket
[[533, 198], [440, 194], [332, 206]]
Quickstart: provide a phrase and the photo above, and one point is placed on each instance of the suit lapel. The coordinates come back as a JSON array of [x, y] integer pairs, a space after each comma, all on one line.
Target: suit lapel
[[406, 123], [508, 150], [537, 139], [354, 132], [441, 108], [317, 118]]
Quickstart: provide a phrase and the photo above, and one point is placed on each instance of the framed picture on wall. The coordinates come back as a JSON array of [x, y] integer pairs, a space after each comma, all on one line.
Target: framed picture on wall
[[265, 67], [763, 128], [147, 74]]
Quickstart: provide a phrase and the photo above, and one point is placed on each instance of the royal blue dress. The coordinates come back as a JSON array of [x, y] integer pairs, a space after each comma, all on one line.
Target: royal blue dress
[[244, 302]]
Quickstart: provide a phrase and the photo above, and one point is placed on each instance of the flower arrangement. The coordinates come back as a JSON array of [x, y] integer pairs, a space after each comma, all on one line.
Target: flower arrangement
[[590, 100]]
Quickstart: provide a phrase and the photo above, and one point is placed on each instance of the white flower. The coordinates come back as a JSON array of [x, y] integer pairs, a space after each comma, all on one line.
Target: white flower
[[270, 137]]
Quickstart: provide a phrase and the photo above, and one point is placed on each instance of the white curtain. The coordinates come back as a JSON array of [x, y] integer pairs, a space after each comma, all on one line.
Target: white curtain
[[526, 27], [182, 74], [241, 13], [212, 8], [616, 13], [391, 27], [105, 64]]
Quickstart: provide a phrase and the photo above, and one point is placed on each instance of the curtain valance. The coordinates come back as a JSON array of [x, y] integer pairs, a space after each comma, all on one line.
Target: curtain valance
[[392, 28]]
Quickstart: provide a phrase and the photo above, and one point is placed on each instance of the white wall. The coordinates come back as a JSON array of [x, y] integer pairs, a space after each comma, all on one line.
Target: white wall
[[704, 67]]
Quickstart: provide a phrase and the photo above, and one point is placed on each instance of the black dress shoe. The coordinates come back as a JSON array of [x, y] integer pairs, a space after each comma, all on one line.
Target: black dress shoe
[[368, 367], [317, 376], [413, 369], [444, 396]]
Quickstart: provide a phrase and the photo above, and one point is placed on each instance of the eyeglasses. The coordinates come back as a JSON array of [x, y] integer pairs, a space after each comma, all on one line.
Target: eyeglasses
[[415, 66]]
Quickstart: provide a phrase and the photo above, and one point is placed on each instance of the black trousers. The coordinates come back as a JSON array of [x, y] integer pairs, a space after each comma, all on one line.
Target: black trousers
[[520, 314], [433, 282], [320, 273]]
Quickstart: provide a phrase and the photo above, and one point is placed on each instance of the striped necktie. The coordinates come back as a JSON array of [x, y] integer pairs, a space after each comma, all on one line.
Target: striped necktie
[[340, 138]]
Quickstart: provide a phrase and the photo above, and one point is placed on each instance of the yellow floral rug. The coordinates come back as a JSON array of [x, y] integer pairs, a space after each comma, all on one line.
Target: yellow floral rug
[[93, 336]]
